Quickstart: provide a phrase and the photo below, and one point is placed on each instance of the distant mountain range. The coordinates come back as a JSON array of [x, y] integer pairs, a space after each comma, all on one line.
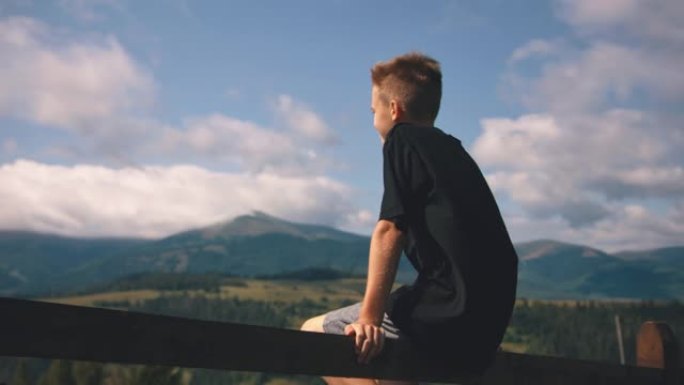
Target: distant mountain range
[[550, 269], [262, 245]]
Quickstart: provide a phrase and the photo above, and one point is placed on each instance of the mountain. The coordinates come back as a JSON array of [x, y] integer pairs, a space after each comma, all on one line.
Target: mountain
[[671, 255], [260, 223], [249, 245], [260, 245], [31, 259], [550, 269]]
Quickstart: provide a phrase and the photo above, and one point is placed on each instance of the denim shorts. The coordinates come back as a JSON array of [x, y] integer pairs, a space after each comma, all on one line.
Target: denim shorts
[[336, 320]]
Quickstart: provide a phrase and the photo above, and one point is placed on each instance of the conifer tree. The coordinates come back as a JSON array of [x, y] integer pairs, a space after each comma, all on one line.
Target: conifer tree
[[88, 373], [157, 375], [59, 373], [21, 374]]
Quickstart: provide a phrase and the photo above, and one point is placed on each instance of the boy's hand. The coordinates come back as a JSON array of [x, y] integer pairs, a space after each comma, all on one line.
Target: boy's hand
[[369, 340]]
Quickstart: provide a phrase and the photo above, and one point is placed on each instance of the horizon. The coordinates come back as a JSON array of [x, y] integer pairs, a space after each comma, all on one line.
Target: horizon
[[136, 119], [261, 214]]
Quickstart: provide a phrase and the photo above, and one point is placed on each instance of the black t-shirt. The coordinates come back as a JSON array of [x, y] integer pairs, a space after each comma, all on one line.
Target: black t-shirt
[[462, 299]]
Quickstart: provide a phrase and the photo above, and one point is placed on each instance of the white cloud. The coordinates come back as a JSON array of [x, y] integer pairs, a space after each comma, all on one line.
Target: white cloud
[[360, 220], [603, 75], [660, 20], [536, 47], [155, 201], [583, 170], [520, 138], [93, 88], [644, 182], [634, 226], [629, 227], [297, 149], [601, 162], [600, 13], [245, 144], [583, 146], [220, 135], [303, 121], [548, 195], [82, 87]]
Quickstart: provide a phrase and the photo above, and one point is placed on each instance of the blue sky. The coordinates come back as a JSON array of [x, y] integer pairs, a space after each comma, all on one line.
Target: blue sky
[[132, 118]]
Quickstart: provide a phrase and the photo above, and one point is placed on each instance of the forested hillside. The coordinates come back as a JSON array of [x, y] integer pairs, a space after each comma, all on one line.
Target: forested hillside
[[260, 245]]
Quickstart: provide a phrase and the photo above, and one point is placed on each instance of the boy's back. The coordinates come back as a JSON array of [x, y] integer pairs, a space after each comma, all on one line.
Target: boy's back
[[462, 299]]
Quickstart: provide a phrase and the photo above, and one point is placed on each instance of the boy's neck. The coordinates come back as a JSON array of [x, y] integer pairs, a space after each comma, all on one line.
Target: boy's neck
[[415, 122]]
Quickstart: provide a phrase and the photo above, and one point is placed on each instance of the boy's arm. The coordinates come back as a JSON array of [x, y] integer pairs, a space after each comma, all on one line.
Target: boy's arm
[[387, 242]]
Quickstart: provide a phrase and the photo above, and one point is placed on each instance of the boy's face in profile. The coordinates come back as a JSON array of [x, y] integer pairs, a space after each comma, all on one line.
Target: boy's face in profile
[[382, 117]]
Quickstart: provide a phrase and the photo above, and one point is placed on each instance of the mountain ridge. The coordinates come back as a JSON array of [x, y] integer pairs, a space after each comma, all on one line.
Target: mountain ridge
[[260, 223], [263, 245]]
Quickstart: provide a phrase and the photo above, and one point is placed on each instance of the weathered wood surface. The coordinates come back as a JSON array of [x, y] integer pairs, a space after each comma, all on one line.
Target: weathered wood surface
[[38, 329], [46, 330], [657, 348]]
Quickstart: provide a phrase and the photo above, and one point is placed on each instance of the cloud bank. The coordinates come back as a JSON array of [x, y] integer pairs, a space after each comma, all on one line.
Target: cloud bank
[[88, 200], [99, 98], [601, 161], [52, 79], [297, 149]]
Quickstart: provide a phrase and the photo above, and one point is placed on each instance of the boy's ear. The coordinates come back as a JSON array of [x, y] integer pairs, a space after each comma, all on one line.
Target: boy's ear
[[396, 112]]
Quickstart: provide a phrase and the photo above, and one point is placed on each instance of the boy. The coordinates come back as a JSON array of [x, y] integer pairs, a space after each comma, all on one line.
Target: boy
[[438, 209]]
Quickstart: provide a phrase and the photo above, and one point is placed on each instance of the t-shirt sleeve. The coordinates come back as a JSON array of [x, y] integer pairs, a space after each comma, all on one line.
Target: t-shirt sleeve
[[402, 173], [392, 207]]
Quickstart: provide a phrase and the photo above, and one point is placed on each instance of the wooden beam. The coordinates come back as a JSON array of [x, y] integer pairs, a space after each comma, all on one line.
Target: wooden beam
[[48, 330], [55, 331]]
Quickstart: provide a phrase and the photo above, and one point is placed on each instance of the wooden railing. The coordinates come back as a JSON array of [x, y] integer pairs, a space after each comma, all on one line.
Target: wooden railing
[[47, 330]]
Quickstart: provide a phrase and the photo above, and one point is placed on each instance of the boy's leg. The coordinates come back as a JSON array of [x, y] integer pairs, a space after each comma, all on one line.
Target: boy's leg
[[336, 321], [363, 381], [314, 324]]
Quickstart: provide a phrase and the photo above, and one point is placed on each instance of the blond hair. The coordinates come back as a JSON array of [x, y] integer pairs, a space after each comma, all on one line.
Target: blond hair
[[414, 80]]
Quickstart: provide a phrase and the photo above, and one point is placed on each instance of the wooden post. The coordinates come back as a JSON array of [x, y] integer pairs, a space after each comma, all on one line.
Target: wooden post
[[618, 331], [657, 348]]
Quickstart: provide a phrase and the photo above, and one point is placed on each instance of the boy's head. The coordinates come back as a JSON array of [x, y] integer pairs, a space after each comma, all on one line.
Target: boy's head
[[406, 88]]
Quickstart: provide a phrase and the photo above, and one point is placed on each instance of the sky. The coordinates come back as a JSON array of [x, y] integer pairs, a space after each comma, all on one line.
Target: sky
[[144, 118]]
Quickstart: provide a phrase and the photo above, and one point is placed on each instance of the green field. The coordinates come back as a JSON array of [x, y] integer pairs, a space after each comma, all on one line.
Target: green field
[[328, 294]]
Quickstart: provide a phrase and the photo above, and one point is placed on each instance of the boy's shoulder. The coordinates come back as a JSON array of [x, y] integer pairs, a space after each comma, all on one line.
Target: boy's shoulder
[[409, 130], [414, 130], [410, 133]]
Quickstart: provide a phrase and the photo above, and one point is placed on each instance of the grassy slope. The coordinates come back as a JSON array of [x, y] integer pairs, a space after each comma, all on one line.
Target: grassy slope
[[254, 289], [331, 293]]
